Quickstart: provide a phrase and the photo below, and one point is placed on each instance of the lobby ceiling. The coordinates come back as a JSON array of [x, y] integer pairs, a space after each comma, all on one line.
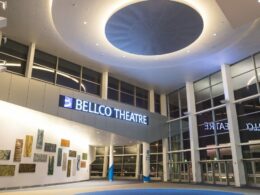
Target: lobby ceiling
[[76, 31]]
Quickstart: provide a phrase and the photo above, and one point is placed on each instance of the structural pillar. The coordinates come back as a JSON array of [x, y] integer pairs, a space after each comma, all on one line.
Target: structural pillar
[[194, 141], [104, 85], [30, 60], [151, 100], [137, 168], [105, 165], [165, 143], [111, 164], [146, 162], [238, 166]]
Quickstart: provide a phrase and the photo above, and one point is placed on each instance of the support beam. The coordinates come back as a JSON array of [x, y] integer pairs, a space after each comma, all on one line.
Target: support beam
[[238, 166], [146, 162], [105, 165], [104, 85], [111, 163], [151, 100], [137, 168], [30, 60]]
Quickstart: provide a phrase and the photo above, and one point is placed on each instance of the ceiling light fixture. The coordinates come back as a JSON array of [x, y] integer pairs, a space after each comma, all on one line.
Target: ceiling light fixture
[[215, 34], [97, 44], [85, 22], [4, 63], [3, 4]]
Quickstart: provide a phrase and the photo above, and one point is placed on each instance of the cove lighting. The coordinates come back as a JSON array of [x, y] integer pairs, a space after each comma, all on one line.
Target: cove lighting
[[4, 63]]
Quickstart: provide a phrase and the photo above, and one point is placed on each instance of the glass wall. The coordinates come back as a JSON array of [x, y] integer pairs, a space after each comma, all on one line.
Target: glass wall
[[127, 93], [177, 103], [97, 166], [156, 160], [49, 68], [157, 103], [14, 56]]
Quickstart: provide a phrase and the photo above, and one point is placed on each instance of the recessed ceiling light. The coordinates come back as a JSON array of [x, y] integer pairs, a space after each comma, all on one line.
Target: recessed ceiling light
[[215, 34], [85, 22], [97, 44], [258, 1]]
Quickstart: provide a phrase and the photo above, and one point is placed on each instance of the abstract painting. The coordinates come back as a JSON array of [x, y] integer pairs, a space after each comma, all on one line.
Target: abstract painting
[[78, 162], [59, 158], [64, 162], [73, 153], [69, 168], [39, 157], [84, 156], [48, 147], [65, 143], [18, 150], [74, 167], [83, 164], [51, 165], [7, 170], [27, 168], [5, 154], [28, 146], [39, 142]]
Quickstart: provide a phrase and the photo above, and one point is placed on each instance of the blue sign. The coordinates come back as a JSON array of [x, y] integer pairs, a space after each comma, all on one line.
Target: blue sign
[[103, 110]]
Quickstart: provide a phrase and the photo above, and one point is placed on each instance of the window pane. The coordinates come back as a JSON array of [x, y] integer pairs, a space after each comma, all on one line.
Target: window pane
[[206, 141], [201, 84], [113, 83], [91, 75], [203, 105], [15, 49], [125, 87], [100, 150], [45, 59], [112, 94], [16, 69], [130, 149], [257, 60], [67, 81], [242, 67], [141, 103], [141, 93], [69, 67], [216, 78], [129, 159], [43, 73], [202, 95], [90, 87], [174, 109], [128, 99]]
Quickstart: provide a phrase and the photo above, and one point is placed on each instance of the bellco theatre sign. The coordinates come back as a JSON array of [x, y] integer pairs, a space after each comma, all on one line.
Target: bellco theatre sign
[[220, 126], [102, 110]]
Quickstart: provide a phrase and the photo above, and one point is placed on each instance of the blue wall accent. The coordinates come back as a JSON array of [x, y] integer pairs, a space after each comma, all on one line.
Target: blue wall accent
[[146, 179], [111, 173]]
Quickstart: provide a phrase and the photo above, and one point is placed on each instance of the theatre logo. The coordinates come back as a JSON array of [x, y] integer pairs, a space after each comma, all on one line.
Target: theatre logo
[[102, 110], [221, 126]]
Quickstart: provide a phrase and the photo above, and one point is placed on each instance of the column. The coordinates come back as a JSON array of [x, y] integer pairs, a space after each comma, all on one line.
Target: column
[[146, 162], [111, 163], [238, 166], [30, 59], [1, 36], [104, 85], [151, 100], [104, 174], [137, 168], [164, 141], [194, 141]]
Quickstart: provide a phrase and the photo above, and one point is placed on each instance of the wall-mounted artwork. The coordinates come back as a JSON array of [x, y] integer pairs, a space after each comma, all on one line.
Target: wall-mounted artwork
[[74, 167], [18, 150], [5, 154], [65, 143], [40, 157], [69, 168], [48, 147], [51, 165], [7, 170], [78, 162], [83, 164], [64, 162], [28, 146], [27, 168], [59, 157], [39, 142], [73, 153], [84, 156]]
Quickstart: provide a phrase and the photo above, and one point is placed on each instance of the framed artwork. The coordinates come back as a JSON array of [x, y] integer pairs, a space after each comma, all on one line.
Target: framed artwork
[[39, 142], [51, 165], [73, 153], [7, 170], [84, 156], [64, 161], [48, 147], [18, 150], [69, 168], [83, 164], [27, 168], [74, 167], [40, 157], [65, 143], [5, 154], [28, 146], [78, 162], [59, 157]]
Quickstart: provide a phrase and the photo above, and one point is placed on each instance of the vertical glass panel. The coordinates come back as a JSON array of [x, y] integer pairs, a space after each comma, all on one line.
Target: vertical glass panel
[[67, 81], [216, 78], [127, 88], [142, 103], [91, 75], [183, 99], [142, 93], [202, 95], [126, 98], [90, 87], [201, 84], [69, 67], [45, 59], [113, 94], [15, 49], [113, 83], [43, 73], [174, 109], [130, 149], [157, 103], [206, 141], [242, 67], [257, 60]]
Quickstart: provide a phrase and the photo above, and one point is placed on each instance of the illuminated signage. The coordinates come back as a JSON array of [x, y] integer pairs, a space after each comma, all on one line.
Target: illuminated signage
[[102, 110], [221, 126]]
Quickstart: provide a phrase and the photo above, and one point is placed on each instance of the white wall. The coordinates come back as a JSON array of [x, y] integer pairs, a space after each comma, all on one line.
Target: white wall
[[16, 122]]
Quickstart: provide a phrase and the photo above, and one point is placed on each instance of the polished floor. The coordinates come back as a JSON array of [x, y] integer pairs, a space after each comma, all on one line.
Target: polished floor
[[91, 186]]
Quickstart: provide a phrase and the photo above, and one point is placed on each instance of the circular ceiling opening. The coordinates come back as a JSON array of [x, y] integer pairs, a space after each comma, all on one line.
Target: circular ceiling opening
[[154, 27]]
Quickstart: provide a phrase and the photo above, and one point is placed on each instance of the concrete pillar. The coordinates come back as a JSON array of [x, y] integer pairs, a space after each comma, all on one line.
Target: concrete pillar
[[104, 174], [146, 162], [151, 100], [104, 85], [165, 143], [194, 141], [30, 60], [238, 166], [137, 168], [111, 163], [1, 35]]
